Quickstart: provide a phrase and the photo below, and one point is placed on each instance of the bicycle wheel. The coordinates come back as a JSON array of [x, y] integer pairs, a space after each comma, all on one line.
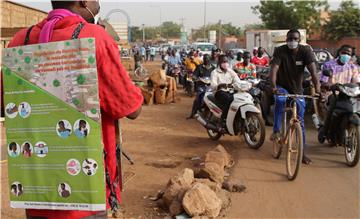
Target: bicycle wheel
[[294, 151]]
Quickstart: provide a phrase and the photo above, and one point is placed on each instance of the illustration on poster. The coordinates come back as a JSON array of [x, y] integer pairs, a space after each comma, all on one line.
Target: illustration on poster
[[11, 110], [26, 149], [73, 167], [89, 167], [81, 128], [25, 109], [64, 190], [41, 149], [13, 149], [16, 189], [63, 128]]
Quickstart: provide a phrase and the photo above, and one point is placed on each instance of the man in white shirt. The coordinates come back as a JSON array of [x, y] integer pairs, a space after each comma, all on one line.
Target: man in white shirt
[[221, 78]]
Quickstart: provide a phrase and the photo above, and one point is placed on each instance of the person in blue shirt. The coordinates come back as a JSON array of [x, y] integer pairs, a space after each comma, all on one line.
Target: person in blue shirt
[[82, 131], [63, 132], [174, 59], [13, 150]]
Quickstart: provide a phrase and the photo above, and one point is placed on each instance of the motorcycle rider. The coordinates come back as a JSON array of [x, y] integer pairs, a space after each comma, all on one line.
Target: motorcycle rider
[[287, 70], [173, 60], [221, 78], [343, 72], [203, 70], [260, 59], [245, 69]]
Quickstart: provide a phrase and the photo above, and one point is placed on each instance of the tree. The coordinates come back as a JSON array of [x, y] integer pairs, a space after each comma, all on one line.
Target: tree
[[344, 22], [291, 14], [226, 30], [170, 29]]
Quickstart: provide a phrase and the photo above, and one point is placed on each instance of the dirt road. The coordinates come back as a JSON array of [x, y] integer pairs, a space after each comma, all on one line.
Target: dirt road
[[326, 189]]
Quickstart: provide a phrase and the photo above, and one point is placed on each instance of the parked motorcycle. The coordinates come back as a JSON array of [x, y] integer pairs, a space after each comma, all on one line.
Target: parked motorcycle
[[243, 117], [344, 127]]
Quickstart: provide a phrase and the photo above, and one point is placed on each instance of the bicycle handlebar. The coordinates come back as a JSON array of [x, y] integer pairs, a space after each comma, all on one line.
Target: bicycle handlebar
[[296, 96]]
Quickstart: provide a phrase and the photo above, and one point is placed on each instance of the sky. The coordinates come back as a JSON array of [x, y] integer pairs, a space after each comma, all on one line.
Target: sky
[[190, 12]]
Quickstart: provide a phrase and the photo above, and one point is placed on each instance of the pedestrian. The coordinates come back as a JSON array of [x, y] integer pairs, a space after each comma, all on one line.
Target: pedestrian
[[118, 96]]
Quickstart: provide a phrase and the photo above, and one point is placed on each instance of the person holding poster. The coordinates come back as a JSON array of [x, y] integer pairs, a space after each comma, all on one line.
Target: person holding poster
[[118, 96]]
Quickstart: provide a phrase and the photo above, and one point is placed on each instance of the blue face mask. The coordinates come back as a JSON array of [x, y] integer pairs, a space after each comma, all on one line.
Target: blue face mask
[[344, 58]]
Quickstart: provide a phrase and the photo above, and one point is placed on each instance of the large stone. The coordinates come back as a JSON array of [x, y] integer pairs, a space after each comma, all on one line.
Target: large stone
[[200, 200], [213, 172], [178, 185], [225, 198], [229, 162], [176, 207], [212, 185], [216, 157]]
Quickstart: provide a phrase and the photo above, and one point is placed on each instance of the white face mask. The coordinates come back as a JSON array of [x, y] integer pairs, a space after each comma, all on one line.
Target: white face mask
[[292, 44]]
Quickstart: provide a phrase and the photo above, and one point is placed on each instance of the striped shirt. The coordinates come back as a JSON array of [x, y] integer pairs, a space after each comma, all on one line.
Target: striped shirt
[[343, 74]]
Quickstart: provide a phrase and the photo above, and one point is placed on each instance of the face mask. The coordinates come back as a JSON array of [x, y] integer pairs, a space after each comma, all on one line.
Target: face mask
[[293, 44], [224, 66], [344, 58]]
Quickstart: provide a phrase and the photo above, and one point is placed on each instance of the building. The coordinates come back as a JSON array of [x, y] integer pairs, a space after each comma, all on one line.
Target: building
[[14, 17]]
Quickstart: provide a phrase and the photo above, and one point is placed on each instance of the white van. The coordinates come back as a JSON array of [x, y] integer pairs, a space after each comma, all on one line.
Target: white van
[[205, 48]]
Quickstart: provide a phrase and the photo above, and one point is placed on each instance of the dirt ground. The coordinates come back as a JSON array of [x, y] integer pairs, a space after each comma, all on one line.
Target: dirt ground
[[326, 189]]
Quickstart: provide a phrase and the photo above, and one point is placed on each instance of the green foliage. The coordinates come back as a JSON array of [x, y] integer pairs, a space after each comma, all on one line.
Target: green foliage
[[226, 30], [345, 22], [168, 30], [291, 14]]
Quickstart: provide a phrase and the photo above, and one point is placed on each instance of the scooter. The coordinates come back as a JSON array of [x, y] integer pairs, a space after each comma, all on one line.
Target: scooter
[[344, 127], [243, 117]]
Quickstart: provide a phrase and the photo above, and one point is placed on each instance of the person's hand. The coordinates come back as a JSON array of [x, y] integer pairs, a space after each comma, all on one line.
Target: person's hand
[[275, 90]]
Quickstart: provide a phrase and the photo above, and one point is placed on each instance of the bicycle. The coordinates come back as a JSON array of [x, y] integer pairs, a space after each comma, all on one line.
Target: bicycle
[[291, 136]]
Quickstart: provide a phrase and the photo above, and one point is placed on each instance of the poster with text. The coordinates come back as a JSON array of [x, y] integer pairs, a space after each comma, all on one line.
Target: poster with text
[[52, 120]]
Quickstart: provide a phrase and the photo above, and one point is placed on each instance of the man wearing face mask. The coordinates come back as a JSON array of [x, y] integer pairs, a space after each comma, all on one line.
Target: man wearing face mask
[[221, 78], [343, 72], [118, 96], [286, 74], [203, 70]]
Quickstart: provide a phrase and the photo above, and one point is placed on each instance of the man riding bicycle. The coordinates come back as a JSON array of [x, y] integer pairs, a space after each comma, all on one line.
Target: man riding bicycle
[[286, 74]]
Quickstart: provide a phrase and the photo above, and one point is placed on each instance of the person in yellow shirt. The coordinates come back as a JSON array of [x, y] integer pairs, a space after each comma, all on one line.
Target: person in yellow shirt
[[191, 62]]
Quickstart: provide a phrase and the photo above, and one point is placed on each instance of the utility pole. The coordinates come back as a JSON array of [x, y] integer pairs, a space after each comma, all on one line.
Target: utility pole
[[204, 19], [182, 23], [220, 34], [143, 27]]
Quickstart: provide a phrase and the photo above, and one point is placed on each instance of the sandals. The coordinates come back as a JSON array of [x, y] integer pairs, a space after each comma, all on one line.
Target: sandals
[[306, 160]]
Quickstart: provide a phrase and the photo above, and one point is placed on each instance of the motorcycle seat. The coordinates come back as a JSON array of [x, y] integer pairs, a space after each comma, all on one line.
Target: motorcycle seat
[[212, 98]]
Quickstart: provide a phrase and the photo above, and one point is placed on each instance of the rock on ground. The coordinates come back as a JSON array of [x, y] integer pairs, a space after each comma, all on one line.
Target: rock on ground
[[200, 200], [213, 172], [178, 184]]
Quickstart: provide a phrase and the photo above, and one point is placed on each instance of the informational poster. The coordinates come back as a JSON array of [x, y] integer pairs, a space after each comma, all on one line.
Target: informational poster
[[52, 120]]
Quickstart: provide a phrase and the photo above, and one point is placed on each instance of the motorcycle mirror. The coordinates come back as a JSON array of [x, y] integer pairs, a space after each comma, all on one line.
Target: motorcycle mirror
[[327, 72]]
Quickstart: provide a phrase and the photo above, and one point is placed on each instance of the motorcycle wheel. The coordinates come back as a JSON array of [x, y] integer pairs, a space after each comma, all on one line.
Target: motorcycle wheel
[[256, 126], [352, 140]]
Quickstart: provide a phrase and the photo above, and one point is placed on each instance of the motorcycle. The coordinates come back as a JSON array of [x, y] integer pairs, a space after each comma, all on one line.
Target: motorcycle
[[243, 117], [344, 127], [189, 84]]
